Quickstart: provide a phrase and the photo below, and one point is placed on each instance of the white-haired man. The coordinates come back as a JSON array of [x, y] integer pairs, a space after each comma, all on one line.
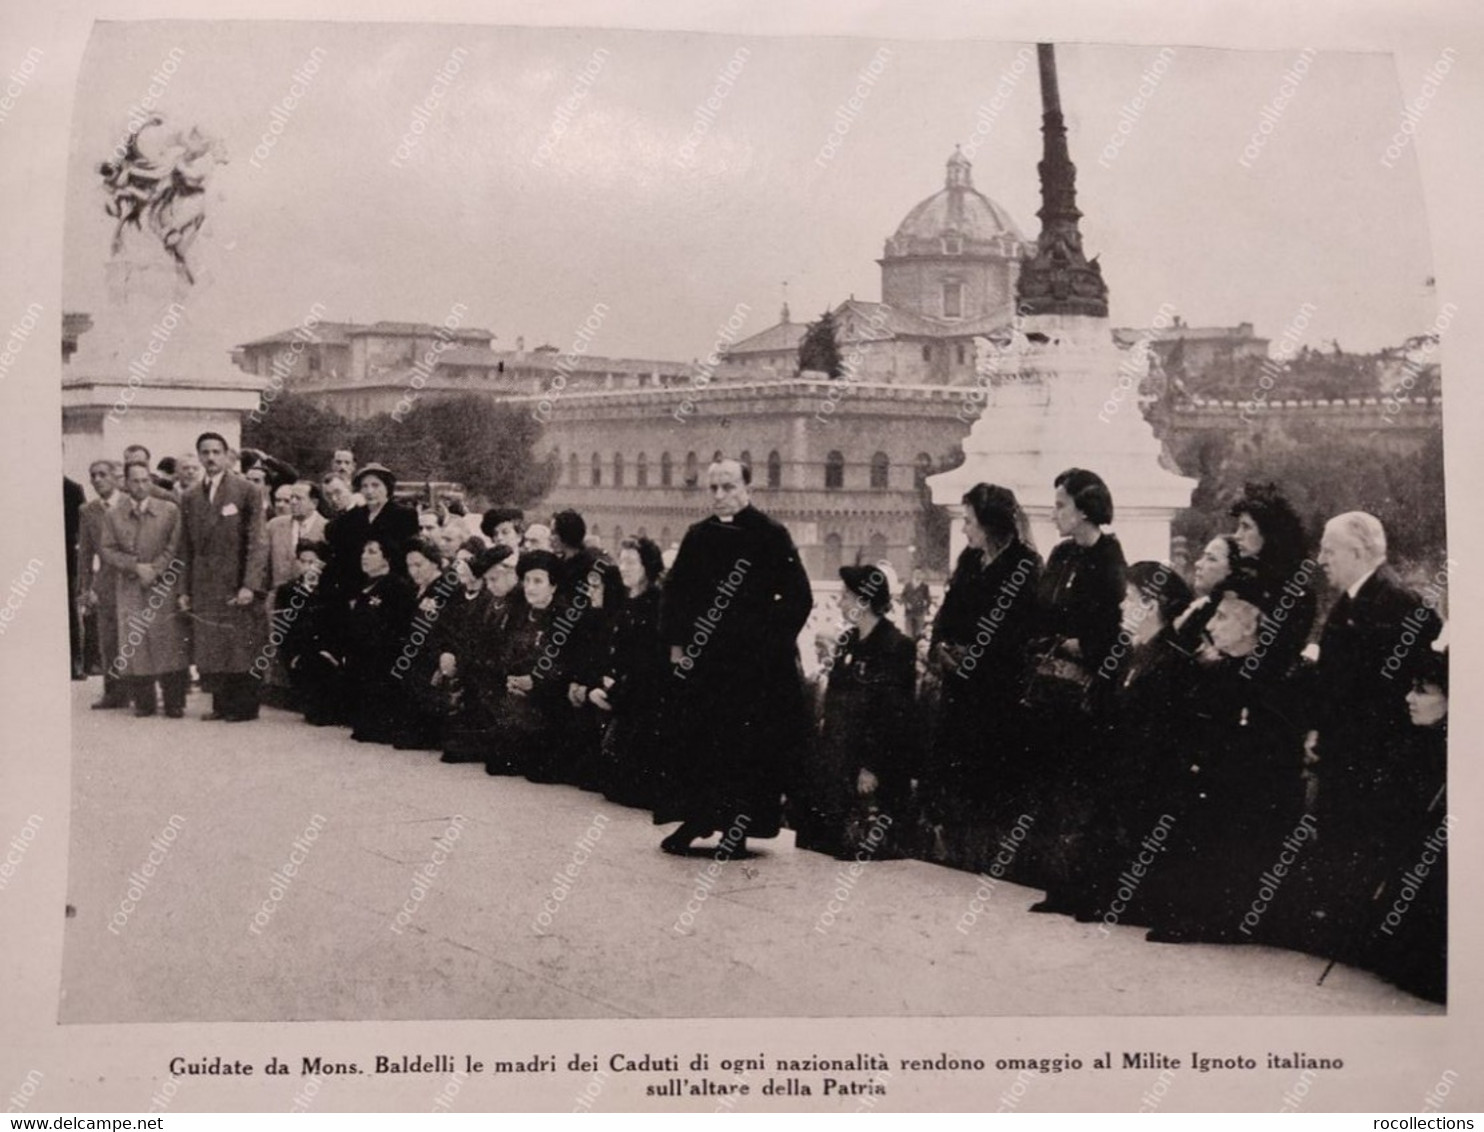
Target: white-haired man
[[1376, 635]]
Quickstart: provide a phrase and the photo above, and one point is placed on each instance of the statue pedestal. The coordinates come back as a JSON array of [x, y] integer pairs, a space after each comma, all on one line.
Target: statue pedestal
[[150, 371], [1047, 412]]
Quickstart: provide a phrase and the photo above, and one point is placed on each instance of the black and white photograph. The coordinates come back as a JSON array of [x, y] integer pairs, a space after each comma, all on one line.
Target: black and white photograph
[[598, 528]]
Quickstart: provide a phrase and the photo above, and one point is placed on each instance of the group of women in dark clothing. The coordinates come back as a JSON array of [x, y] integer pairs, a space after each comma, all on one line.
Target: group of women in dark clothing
[[1111, 710]]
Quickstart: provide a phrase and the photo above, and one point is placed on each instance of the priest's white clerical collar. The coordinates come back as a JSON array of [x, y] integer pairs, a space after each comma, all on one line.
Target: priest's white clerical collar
[[726, 518]]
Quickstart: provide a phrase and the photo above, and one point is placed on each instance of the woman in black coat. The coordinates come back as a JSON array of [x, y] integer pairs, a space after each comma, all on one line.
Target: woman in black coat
[[976, 777], [376, 622], [382, 519], [1150, 673], [857, 777], [424, 698], [1078, 617], [530, 715], [311, 649], [629, 690]]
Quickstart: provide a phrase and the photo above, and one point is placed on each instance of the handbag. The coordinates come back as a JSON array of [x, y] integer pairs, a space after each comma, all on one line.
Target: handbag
[[1058, 682]]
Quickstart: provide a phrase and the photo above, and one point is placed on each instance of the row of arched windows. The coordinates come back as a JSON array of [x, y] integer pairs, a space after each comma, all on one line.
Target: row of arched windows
[[690, 470]]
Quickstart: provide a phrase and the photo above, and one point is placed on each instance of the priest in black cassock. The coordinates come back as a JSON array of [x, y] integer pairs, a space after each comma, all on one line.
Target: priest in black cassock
[[731, 611]]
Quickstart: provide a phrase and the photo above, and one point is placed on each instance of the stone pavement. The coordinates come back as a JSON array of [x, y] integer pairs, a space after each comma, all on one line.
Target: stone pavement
[[215, 930]]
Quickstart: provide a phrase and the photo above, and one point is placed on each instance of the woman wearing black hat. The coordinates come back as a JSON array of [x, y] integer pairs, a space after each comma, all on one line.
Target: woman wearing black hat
[[470, 641], [855, 781], [382, 518], [976, 776], [375, 626]]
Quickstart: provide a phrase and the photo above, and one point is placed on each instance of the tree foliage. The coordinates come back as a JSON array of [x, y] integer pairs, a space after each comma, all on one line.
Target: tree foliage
[[820, 349]]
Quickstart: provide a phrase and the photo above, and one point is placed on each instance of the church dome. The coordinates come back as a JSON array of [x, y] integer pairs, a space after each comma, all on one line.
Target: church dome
[[956, 220]]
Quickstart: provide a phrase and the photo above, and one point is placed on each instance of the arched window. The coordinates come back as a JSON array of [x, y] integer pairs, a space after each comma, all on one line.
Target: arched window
[[927, 352], [618, 537], [775, 469], [642, 532], [746, 458], [692, 470], [666, 538], [833, 554], [962, 354], [880, 471], [876, 549], [834, 470], [953, 300], [667, 470], [597, 478], [618, 469], [573, 469], [641, 470]]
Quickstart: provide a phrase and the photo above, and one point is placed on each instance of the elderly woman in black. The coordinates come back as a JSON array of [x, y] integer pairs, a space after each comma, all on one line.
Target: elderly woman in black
[[1148, 674], [417, 668], [1270, 534], [470, 641], [978, 770], [533, 660], [1076, 626], [856, 781], [376, 622], [628, 692]]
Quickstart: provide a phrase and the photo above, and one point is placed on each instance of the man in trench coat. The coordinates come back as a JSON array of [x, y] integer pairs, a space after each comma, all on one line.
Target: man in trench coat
[[226, 578], [141, 541]]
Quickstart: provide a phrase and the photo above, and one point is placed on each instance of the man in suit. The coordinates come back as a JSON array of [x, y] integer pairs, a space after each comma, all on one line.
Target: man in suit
[[1376, 635], [226, 579], [141, 541], [285, 532], [160, 485], [95, 581]]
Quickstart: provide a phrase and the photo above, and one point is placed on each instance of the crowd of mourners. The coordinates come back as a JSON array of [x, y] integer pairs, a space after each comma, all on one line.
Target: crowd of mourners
[[1203, 757]]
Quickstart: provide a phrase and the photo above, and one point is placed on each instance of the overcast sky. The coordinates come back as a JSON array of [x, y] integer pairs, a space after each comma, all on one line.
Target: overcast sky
[[610, 218]]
